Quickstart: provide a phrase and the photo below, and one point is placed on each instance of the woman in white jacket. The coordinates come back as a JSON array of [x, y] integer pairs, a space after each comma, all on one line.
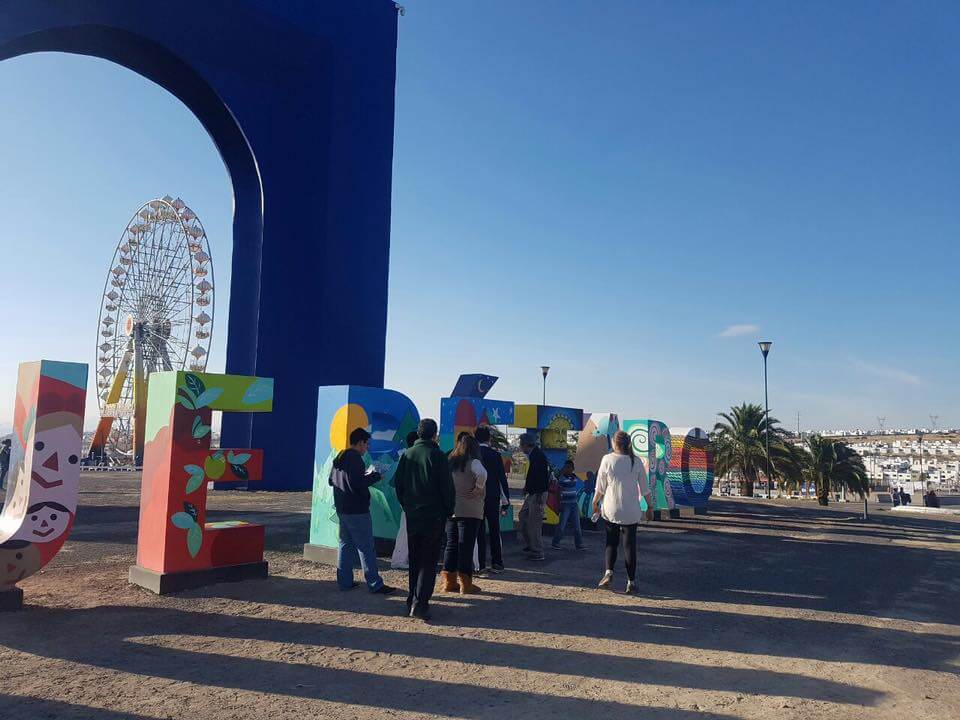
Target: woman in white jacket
[[621, 481]]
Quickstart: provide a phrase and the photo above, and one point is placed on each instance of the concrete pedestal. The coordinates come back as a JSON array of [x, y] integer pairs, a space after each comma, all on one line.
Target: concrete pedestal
[[166, 583], [11, 599]]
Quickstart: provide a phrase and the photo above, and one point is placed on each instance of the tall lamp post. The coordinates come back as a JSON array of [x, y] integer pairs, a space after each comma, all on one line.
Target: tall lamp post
[[920, 438], [765, 349], [544, 369]]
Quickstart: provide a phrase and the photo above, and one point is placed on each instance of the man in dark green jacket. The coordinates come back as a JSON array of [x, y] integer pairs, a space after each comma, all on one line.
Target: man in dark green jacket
[[425, 491]]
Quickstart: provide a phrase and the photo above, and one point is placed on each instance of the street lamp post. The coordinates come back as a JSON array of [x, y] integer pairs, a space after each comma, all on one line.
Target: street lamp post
[[544, 369], [765, 349], [920, 438]]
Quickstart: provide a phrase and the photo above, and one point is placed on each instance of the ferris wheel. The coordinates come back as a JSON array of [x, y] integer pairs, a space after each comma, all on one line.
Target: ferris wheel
[[156, 314]]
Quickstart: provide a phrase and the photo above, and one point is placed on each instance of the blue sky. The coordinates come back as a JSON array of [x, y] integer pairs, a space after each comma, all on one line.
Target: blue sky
[[633, 193]]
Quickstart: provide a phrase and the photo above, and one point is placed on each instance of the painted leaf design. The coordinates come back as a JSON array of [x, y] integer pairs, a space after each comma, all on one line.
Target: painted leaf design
[[186, 402], [194, 384], [182, 521], [260, 391], [195, 482], [240, 471], [218, 455], [208, 397], [191, 510], [199, 429], [194, 540], [238, 458]]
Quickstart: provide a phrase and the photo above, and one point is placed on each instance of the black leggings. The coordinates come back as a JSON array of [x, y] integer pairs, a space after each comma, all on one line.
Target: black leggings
[[461, 539], [627, 535]]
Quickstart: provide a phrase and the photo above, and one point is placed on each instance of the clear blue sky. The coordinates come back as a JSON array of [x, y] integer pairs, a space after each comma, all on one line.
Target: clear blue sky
[[604, 187]]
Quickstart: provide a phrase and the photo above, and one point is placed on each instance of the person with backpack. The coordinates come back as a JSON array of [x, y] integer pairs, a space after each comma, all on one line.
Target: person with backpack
[[351, 496], [621, 481]]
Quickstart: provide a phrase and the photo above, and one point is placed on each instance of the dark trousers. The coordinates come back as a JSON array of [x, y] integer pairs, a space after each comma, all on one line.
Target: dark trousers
[[490, 525], [423, 540], [461, 537], [627, 536]]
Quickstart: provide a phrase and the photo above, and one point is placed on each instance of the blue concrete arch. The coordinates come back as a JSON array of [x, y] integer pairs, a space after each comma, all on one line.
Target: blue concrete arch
[[298, 98]]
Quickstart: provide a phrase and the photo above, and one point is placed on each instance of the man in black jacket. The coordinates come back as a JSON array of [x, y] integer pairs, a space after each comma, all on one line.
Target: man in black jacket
[[351, 496], [426, 494], [530, 521], [497, 497]]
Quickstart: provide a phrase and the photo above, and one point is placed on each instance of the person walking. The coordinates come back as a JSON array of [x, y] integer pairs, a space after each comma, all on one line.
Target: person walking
[[4, 461], [569, 508], [470, 484], [621, 481], [530, 520], [426, 494], [496, 501], [351, 497]]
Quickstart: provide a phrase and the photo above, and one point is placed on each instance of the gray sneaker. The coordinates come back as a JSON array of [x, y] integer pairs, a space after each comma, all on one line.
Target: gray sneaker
[[606, 580]]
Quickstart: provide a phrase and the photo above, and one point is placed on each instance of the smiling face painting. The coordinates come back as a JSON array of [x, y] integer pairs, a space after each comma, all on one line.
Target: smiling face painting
[[46, 522], [48, 421]]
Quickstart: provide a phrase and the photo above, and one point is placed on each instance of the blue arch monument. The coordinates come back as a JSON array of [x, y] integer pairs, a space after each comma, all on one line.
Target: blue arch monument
[[298, 97]]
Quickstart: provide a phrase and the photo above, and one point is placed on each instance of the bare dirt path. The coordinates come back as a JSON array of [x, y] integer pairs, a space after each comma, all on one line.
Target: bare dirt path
[[755, 611]]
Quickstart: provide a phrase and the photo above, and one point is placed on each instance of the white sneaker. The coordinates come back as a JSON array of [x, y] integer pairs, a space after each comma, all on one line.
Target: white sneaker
[[606, 580]]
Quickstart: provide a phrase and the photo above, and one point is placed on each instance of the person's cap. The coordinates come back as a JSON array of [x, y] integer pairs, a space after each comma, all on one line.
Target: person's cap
[[528, 439]]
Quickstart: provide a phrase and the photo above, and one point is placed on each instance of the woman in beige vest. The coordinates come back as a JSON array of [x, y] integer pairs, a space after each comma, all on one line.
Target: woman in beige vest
[[470, 482]]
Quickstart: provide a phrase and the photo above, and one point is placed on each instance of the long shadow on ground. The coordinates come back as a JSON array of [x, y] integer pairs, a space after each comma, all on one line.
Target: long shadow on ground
[[114, 648]]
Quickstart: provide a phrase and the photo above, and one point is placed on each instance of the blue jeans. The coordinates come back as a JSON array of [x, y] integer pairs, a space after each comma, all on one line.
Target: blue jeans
[[567, 511], [356, 534]]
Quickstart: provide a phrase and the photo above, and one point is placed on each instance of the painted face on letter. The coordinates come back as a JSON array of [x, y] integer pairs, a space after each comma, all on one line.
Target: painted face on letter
[[51, 462], [45, 522], [18, 559]]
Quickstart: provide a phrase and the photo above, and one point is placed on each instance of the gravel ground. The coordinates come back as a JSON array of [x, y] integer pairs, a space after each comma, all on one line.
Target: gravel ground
[[759, 610]]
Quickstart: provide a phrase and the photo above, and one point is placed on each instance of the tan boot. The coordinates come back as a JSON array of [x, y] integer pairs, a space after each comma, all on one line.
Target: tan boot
[[466, 585], [448, 582]]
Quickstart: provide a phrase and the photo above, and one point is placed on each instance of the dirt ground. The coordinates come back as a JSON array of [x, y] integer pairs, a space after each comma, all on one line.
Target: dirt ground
[[759, 610]]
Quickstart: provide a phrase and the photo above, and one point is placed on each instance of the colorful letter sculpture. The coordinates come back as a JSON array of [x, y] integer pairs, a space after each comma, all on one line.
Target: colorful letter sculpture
[[594, 442], [41, 500], [691, 467], [651, 441], [389, 416], [176, 548], [553, 424], [468, 407]]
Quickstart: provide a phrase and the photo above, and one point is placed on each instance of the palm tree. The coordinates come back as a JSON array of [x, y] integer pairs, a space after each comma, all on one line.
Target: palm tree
[[835, 465], [739, 444], [790, 461], [498, 441]]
